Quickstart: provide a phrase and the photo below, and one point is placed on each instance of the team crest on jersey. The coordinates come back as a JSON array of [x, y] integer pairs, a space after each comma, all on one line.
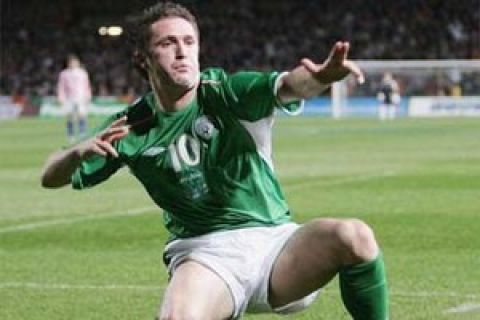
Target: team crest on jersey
[[204, 128]]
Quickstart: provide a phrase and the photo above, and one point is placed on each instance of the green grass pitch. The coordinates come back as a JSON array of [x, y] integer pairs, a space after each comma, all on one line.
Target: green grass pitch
[[96, 254]]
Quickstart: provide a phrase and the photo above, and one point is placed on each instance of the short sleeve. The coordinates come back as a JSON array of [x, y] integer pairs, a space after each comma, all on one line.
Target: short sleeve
[[255, 94], [291, 108]]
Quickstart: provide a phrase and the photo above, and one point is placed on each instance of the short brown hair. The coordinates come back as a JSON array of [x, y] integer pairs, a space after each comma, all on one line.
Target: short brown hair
[[139, 31]]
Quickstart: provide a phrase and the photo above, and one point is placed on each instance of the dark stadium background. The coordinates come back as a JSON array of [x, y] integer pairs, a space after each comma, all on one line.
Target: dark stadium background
[[36, 36]]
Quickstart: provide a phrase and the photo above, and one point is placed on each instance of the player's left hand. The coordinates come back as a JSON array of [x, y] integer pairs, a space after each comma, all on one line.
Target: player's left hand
[[335, 67]]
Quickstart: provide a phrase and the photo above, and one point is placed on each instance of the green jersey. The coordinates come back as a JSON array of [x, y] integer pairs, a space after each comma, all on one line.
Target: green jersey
[[209, 165]]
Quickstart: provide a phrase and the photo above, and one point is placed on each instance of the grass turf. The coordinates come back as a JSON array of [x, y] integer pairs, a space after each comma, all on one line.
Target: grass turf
[[96, 254]]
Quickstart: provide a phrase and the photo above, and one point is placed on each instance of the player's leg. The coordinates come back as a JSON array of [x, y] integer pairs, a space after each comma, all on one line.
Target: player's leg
[[70, 127], [196, 292], [82, 119], [68, 110], [321, 249]]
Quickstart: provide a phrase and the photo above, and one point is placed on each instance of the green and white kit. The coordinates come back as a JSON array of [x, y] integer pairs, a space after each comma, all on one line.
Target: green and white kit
[[209, 165]]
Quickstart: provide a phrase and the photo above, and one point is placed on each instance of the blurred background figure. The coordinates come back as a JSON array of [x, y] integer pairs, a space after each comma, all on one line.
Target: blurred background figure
[[388, 96], [74, 93]]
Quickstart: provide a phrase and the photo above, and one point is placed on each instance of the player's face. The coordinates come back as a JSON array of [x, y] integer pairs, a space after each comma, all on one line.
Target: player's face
[[174, 48]]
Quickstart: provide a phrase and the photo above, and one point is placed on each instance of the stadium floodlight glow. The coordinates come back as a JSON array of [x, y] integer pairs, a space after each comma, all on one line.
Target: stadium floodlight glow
[[114, 31], [103, 31]]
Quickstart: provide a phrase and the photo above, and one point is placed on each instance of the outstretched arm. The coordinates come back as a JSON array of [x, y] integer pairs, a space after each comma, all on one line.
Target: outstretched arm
[[62, 164], [310, 79]]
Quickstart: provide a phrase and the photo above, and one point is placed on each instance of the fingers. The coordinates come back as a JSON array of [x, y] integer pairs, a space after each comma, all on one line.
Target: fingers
[[339, 57], [119, 122], [117, 130], [118, 136], [96, 150], [102, 143], [310, 65], [357, 72], [104, 148], [98, 146], [339, 52], [114, 134], [336, 66]]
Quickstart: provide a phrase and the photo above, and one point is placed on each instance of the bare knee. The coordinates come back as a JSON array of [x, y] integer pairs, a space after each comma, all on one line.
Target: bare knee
[[356, 240]]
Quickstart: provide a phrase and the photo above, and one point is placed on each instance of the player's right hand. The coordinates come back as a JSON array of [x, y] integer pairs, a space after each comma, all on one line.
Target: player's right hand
[[102, 143], [336, 67]]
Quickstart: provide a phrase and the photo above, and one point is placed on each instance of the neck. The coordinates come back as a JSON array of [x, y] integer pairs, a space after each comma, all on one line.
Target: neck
[[171, 99]]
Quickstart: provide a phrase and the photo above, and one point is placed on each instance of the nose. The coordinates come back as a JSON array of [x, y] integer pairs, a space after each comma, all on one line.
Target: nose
[[180, 51]]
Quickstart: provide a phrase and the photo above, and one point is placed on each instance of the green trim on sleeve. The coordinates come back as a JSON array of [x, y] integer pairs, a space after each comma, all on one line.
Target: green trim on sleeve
[[292, 108]]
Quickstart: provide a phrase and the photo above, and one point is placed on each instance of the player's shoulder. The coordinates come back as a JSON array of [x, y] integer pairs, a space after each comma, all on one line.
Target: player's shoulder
[[218, 77], [219, 74], [213, 76]]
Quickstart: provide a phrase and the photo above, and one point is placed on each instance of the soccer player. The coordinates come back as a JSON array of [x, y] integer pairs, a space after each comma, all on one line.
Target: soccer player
[[74, 93], [389, 97], [200, 143]]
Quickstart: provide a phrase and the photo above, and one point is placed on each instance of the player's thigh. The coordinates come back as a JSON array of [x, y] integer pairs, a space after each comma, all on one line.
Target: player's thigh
[[310, 259], [196, 292]]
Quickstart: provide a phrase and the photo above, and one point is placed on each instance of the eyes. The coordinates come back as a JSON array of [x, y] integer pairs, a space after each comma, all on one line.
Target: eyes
[[172, 40]]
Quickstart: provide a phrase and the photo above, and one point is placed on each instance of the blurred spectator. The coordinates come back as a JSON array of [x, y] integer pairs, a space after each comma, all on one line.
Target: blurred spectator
[[74, 94], [36, 35], [388, 96]]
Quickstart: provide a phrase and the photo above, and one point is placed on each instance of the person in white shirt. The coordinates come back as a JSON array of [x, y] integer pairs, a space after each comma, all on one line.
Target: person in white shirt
[[389, 97], [74, 93]]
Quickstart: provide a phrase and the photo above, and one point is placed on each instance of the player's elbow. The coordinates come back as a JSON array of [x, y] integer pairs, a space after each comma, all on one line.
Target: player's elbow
[[48, 181]]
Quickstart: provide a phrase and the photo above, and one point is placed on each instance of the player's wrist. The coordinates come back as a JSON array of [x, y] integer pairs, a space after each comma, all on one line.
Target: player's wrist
[[79, 152]]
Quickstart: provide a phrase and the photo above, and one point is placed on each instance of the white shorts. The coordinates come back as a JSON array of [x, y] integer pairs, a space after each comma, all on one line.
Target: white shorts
[[243, 258]]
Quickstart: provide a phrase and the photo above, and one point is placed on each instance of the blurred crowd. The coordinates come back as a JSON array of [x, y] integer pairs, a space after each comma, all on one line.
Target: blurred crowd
[[37, 36]]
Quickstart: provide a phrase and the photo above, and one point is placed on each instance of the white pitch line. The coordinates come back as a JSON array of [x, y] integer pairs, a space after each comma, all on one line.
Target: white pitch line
[[64, 221], [431, 294], [64, 286], [464, 308]]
